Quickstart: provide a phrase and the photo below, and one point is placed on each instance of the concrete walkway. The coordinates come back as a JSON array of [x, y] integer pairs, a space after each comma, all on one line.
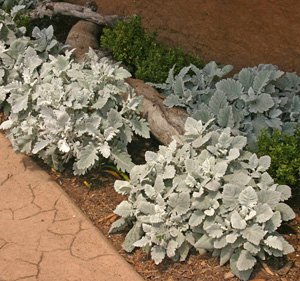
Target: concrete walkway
[[43, 235]]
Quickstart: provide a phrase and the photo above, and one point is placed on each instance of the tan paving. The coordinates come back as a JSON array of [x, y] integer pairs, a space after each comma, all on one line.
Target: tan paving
[[43, 235]]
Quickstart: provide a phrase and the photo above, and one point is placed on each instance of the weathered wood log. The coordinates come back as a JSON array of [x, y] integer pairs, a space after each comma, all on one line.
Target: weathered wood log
[[163, 122], [51, 9]]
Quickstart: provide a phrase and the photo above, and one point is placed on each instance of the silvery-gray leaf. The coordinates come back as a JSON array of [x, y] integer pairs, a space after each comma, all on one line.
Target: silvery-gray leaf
[[274, 242], [124, 209], [237, 221], [239, 178], [117, 225], [215, 230], [264, 163], [219, 169], [158, 253], [171, 248], [213, 185], [285, 192], [248, 197], [196, 218], [245, 261], [220, 242], [253, 233], [233, 89], [286, 211], [179, 202], [233, 154], [122, 187], [225, 254], [264, 212], [132, 236], [205, 242], [243, 275], [41, 144], [231, 194], [231, 238], [169, 172], [272, 224], [253, 249]]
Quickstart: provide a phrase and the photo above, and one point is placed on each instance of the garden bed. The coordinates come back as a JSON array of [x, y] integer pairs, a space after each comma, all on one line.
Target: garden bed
[[94, 194]]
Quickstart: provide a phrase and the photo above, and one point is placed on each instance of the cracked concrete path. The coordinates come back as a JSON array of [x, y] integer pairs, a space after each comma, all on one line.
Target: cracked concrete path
[[43, 234]]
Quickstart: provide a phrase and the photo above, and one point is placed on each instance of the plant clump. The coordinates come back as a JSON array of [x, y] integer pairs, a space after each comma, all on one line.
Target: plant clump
[[62, 110], [258, 98], [206, 192], [146, 57]]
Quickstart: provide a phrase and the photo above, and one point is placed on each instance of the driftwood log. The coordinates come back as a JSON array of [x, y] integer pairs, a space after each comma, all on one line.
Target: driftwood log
[[163, 122], [51, 9]]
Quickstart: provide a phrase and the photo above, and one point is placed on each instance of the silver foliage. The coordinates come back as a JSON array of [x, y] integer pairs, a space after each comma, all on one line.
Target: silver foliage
[[206, 192], [62, 110], [259, 97]]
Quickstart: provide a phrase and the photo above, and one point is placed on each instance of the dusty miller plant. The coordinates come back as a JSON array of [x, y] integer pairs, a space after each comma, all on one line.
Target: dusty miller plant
[[259, 97], [206, 192], [63, 110], [16, 50]]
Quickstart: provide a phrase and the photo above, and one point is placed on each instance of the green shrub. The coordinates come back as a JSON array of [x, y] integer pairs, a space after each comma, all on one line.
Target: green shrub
[[146, 57], [284, 152], [129, 42]]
